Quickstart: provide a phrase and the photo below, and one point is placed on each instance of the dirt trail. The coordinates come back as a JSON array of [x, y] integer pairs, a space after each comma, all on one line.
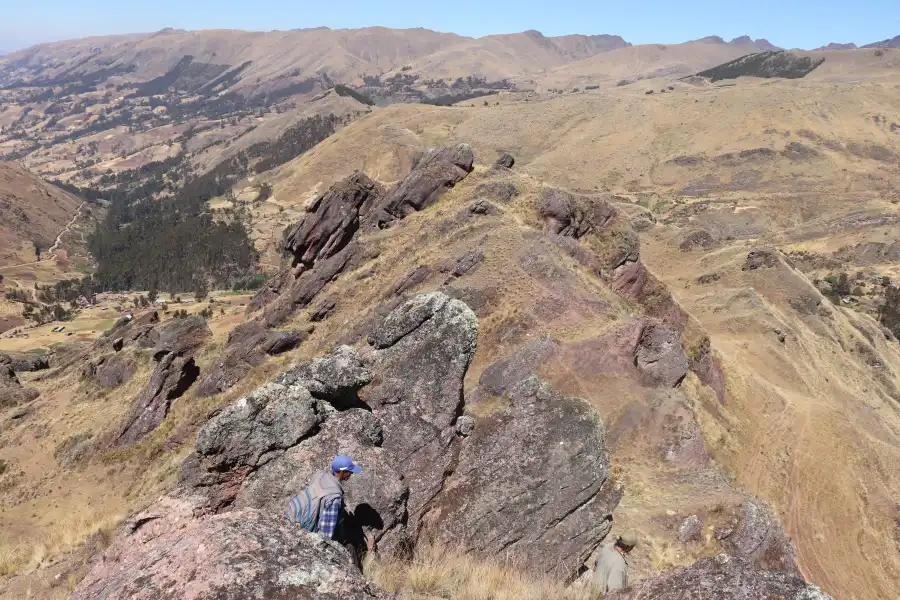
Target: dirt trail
[[65, 230], [51, 253]]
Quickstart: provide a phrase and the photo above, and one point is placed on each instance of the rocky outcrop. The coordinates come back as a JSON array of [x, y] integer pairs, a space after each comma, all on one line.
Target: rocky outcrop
[[424, 349], [524, 458], [437, 172], [708, 369], [332, 220], [165, 553], [722, 578], [261, 450], [299, 292], [564, 215], [697, 239], [397, 409], [175, 372], [751, 533], [11, 391], [758, 259], [110, 370], [23, 362], [249, 344], [659, 356]]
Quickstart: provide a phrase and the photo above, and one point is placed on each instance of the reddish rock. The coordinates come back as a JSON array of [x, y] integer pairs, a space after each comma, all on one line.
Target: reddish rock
[[721, 578], [175, 372], [165, 553], [332, 220], [248, 345], [565, 215], [437, 172]]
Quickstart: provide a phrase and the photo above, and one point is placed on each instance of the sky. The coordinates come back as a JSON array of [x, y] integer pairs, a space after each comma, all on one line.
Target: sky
[[786, 23]]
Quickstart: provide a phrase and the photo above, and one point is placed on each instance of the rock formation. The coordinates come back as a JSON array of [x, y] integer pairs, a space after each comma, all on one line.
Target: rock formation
[[434, 174], [331, 220], [165, 553], [564, 215], [22, 362], [11, 391], [506, 160], [722, 578], [174, 373]]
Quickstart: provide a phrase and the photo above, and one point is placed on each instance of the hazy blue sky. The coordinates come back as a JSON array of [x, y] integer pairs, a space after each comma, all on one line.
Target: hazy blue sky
[[788, 23]]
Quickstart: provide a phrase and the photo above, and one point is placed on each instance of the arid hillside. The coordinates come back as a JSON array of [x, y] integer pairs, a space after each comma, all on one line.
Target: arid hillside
[[809, 168], [668, 305], [32, 214]]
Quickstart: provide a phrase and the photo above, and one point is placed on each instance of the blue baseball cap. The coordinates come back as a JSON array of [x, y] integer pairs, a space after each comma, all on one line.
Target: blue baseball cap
[[343, 463]]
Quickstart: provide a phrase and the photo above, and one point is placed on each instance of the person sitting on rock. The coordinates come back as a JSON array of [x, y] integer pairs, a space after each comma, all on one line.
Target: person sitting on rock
[[611, 568], [318, 507]]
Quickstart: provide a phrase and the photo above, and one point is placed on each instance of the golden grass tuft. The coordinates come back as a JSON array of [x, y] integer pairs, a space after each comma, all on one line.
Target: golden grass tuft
[[21, 555], [442, 572]]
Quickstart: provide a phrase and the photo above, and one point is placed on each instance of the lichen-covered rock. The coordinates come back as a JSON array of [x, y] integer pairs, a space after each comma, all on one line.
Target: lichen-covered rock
[[531, 481], [690, 529], [752, 533], [165, 553], [722, 578], [332, 220], [423, 349]]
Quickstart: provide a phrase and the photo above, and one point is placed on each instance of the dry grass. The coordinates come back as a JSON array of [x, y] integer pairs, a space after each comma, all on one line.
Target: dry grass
[[442, 572], [24, 555]]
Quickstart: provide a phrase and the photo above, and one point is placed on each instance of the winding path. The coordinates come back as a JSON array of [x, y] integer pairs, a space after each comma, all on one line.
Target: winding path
[[50, 255]]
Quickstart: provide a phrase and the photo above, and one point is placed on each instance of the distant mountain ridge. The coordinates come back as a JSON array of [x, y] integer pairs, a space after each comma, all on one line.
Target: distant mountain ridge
[[837, 46], [894, 42], [761, 44]]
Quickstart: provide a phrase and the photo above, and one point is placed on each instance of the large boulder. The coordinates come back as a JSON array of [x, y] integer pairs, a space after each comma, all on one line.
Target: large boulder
[[22, 362], [11, 391], [506, 160], [722, 578], [532, 480], [750, 532], [261, 450], [422, 352], [165, 553], [110, 370], [332, 220], [659, 356], [437, 172]]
